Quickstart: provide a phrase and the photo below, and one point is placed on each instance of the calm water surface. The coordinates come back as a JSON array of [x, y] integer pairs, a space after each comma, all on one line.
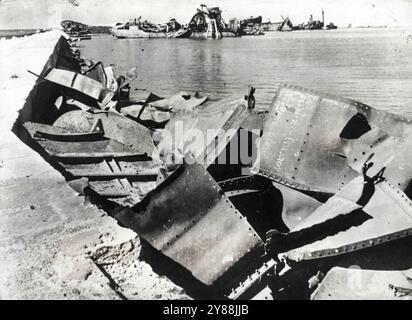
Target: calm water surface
[[373, 66]]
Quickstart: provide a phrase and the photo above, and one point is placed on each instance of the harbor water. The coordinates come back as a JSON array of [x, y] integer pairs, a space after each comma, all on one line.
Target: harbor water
[[370, 65]]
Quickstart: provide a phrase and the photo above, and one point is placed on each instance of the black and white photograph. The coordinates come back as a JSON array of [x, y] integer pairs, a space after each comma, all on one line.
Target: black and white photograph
[[180, 150]]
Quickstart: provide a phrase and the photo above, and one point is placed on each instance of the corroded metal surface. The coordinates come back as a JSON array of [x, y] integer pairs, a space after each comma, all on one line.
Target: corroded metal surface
[[357, 284], [116, 127], [189, 219], [388, 217], [305, 136]]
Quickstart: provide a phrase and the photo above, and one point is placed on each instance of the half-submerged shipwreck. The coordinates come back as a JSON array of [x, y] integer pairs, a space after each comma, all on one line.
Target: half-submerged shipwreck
[[138, 29], [251, 26], [315, 24], [311, 24], [208, 23], [76, 29], [242, 204]]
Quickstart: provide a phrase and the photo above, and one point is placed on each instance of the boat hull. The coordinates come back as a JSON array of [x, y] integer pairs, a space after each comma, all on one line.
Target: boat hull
[[124, 33], [204, 35]]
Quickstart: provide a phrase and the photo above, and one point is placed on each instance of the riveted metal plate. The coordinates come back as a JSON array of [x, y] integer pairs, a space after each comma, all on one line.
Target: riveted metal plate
[[390, 218], [399, 169], [189, 219], [301, 144]]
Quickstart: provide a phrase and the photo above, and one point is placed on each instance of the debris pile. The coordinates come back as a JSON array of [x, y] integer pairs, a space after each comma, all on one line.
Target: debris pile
[[240, 209], [76, 29], [252, 26], [136, 28]]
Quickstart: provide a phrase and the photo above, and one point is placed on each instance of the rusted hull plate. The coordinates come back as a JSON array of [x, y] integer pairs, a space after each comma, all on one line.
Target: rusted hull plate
[[357, 284], [302, 145], [189, 219], [388, 217]]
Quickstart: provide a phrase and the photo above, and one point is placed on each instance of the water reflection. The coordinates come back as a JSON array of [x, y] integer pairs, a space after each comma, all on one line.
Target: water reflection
[[373, 66]]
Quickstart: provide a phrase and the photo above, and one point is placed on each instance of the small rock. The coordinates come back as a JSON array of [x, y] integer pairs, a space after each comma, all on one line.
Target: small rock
[[32, 207]]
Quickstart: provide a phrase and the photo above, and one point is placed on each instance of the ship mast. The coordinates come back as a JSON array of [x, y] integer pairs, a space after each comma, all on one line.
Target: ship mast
[[323, 19]]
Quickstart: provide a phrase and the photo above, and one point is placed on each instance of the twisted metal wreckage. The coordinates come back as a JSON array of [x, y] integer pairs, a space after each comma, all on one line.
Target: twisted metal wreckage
[[330, 189]]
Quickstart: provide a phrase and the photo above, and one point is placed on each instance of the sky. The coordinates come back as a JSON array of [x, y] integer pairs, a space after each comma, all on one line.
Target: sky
[[16, 14]]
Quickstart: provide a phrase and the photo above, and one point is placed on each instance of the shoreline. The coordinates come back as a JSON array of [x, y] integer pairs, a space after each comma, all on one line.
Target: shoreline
[[20, 33]]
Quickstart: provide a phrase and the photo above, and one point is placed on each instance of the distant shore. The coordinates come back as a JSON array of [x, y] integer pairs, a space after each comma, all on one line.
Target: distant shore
[[10, 33]]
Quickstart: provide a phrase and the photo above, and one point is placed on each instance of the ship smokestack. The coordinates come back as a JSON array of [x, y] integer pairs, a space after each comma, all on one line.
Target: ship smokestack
[[323, 18]]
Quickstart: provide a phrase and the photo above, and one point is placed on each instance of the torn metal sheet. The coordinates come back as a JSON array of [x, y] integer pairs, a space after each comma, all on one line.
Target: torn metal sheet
[[357, 284], [97, 72], [343, 202], [80, 83], [182, 101], [296, 206], [269, 204], [305, 136], [387, 216], [206, 132], [116, 127], [258, 200], [148, 114], [189, 219], [111, 82]]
